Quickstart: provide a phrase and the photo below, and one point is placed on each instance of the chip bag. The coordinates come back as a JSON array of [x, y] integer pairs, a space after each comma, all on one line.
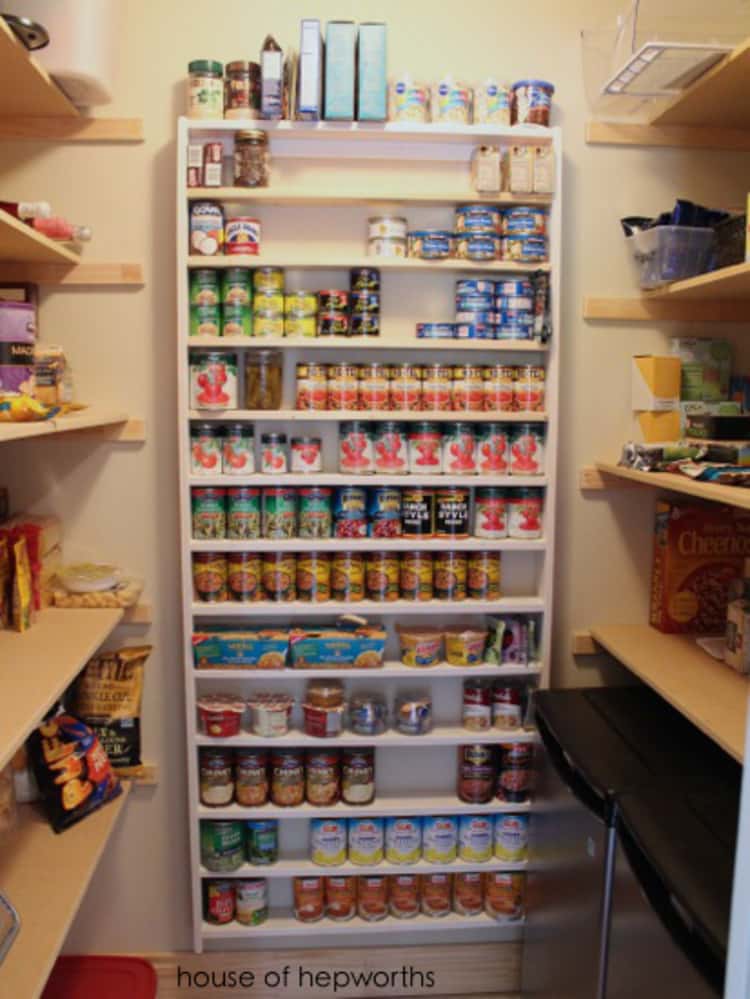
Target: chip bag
[[72, 770]]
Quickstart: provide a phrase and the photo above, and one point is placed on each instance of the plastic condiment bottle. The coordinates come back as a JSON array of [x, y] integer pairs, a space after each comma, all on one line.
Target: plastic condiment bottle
[[271, 76], [57, 228], [27, 209]]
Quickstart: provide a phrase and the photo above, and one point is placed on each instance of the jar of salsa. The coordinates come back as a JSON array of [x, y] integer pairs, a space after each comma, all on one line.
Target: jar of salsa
[[251, 777], [287, 777]]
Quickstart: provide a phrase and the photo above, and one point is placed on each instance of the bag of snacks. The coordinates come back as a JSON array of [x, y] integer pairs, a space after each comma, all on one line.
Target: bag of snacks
[[95, 585], [107, 697], [72, 770]]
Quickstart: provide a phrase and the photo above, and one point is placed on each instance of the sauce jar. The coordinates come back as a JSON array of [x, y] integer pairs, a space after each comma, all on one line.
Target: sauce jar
[[322, 777], [341, 898], [210, 577], [314, 577], [372, 898], [476, 774], [405, 387], [373, 387], [287, 777], [356, 447], [306, 454], [205, 449], [312, 387], [403, 896], [238, 453], [493, 449], [424, 441], [436, 892], [476, 715], [251, 777], [216, 779], [273, 459], [459, 449], [251, 158], [358, 776], [490, 513], [208, 508], [525, 513], [343, 387], [348, 576], [467, 388], [205, 89], [416, 576], [390, 448], [449, 575], [436, 387], [309, 899]]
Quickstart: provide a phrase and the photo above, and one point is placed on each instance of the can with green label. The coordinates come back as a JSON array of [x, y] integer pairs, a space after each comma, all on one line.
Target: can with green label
[[236, 320], [222, 846], [236, 286], [205, 320], [204, 287]]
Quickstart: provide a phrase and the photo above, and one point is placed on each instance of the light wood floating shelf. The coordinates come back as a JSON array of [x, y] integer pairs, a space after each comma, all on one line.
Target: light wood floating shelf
[[53, 129], [340, 415], [325, 261], [69, 275], [107, 424], [441, 735], [301, 867], [602, 133], [37, 665], [718, 98], [299, 608], [371, 544], [711, 695], [339, 343], [45, 876], [407, 804], [22, 244], [671, 481], [726, 283], [388, 669], [344, 478], [653, 308], [298, 196], [25, 87]]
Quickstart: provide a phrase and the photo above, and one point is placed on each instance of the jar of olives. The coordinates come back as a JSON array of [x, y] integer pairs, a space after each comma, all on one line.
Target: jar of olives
[[263, 376]]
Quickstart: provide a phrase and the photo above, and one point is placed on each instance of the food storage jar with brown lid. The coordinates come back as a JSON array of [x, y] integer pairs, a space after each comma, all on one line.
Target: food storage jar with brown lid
[[325, 693], [251, 159]]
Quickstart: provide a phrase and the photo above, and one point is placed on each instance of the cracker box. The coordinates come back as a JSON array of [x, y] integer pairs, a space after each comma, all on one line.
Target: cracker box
[[699, 550], [737, 652], [655, 383]]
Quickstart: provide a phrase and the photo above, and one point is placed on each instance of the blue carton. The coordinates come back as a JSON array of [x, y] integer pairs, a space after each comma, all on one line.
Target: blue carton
[[331, 647], [341, 38], [310, 71], [372, 84], [264, 648]]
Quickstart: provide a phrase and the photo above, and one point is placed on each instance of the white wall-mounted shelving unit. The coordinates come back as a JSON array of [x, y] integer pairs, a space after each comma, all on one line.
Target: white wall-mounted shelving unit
[[315, 228]]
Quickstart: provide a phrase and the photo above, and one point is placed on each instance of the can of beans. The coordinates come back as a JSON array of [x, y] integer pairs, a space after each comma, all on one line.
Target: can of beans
[[243, 513], [279, 573], [348, 577], [490, 513], [424, 448], [384, 512], [350, 512], [527, 449], [391, 455], [219, 903], [477, 706], [459, 449], [449, 576], [382, 576], [493, 449], [483, 576], [343, 387], [498, 387], [373, 386], [356, 447], [313, 577], [209, 513], [244, 576], [210, 577], [436, 387], [452, 512], [279, 513], [418, 513], [525, 513], [315, 516], [416, 576], [405, 387]]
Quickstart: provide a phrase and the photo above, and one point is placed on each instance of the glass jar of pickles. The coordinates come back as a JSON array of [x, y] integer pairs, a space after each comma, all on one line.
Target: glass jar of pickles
[[263, 379]]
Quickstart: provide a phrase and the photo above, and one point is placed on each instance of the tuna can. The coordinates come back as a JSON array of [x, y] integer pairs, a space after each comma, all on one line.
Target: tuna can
[[268, 279], [365, 302], [493, 449], [525, 513], [499, 387], [436, 387], [475, 303], [236, 320], [527, 449], [210, 577], [478, 218], [315, 514], [273, 460], [306, 454], [364, 279], [459, 449], [279, 513], [311, 386], [373, 386], [242, 235], [328, 842], [452, 512], [213, 379], [364, 325], [515, 287], [251, 901], [405, 387], [356, 447], [483, 576], [313, 577], [204, 287], [528, 389], [487, 317], [525, 249], [524, 220], [382, 576], [238, 453], [206, 228], [236, 286], [476, 331], [436, 331], [430, 244], [219, 904], [388, 226], [348, 577], [416, 574], [475, 834], [208, 507], [474, 286], [424, 441], [350, 512], [390, 448], [205, 449], [490, 513], [384, 512], [418, 513], [222, 846], [366, 838], [511, 837], [244, 576], [467, 388], [333, 323], [262, 841], [439, 839], [205, 320], [478, 246], [403, 839], [449, 575]]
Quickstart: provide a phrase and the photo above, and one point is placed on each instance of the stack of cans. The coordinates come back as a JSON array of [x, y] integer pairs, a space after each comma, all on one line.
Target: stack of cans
[[364, 301], [495, 310]]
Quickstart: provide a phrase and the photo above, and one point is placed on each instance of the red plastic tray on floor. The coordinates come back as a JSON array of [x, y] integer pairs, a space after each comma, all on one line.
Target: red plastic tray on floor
[[89, 977]]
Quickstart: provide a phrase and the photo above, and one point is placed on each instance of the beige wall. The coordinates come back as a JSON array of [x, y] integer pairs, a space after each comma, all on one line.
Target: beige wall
[[121, 503]]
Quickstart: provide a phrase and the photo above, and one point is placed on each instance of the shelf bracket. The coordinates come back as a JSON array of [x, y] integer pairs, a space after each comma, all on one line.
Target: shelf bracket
[[584, 644]]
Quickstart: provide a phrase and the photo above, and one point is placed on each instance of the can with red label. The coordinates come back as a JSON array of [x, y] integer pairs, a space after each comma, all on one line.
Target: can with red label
[[467, 388], [477, 706], [459, 447], [514, 775], [219, 907], [527, 449], [507, 706], [528, 388], [405, 387], [525, 513], [242, 235], [424, 448], [490, 513], [493, 449], [498, 387], [391, 448]]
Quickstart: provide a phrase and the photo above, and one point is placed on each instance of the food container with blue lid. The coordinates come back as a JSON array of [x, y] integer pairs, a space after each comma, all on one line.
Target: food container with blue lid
[[474, 286], [478, 246], [430, 244], [475, 302], [478, 218], [436, 331], [476, 331]]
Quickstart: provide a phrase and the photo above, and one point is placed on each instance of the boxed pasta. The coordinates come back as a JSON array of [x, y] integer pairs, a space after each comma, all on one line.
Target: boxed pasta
[[361, 647], [699, 551], [263, 648]]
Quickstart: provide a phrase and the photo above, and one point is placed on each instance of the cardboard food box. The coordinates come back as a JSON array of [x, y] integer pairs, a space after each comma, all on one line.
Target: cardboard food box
[[310, 71], [658, 427], [656, 383], [372, 86], [699, 551], [737, 652], [706, 368], [341, 39]]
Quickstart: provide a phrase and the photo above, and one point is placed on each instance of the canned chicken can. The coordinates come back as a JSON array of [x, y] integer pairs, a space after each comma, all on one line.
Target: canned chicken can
[[499, 387], [279, 572], [524, 220], [328, 842], [528, 388], [315, 515], [459, 449], [313, 577], [493, 449], [527, 449], [373, 386], [366, 838], [244, 576], [238, 452], [213, 380], [350, 512], [384, 512], [430, 244], [490, 513], [449, 575], [312, 386], [483, 576], [467, 388], [436, 387], [418, 512], [348, 577], [478, 218], [306, 454], [403, 839], [390, 447], [511, 837], [424, 440], [475, 836], [478, 246], [439, 838], [208, 506], [452, 512], [524, 249], [382, 576], [279, 513], [405, 387], [210, 577], [416, 576]]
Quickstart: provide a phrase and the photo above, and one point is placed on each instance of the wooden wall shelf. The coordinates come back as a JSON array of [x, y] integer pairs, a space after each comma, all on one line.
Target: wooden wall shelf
[[22, 244], [295, 258], [298, 195], [658, 308], [25, 86], [37, 128], [107, 424], [607, 475], [604, 133], [68, 275]]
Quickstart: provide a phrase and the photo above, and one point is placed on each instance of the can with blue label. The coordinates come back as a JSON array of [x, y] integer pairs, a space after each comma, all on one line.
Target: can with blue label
[[436, 331], [366, 837], [475, 837], [384, 512], [475, 302], [478, 246], [476, 331], [528, 220], [514, 286], [525, 249], [430, 244], [328, 842], [511, 837], [403, 839], [481, 318], [475, 286], [478, 218], [262, 841], [440, 838]]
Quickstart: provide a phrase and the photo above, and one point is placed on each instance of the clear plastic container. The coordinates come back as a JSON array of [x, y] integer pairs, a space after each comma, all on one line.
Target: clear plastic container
[[669, 253]]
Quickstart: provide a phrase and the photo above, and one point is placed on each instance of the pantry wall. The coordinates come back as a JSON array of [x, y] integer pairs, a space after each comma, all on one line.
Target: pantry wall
[[124, 505]]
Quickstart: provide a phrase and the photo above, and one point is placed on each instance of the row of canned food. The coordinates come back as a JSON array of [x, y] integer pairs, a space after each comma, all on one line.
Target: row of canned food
[[371, 897], [322, 512], [348, 577], [369, 841], [425, 387]]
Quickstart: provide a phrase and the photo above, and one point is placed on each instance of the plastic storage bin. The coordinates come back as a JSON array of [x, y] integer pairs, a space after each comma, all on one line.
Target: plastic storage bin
[[669, 253], [97, 977]]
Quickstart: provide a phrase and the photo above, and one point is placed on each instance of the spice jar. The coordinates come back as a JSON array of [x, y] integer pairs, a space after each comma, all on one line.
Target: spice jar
[[251, 158], [358, 776], [205, 89], [251, 776], [263, 375], [216, 781]]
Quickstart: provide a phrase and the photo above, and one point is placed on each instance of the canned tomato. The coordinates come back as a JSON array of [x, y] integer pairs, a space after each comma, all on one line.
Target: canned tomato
[[525, 513], [303, 303], [243, 513], [476, 774], [364, 324], [328, 842], [358, 776], [350, 512], [251, 767], [493, 449], [222, 846], [204, 287], [467, 388], [244, 576], [384, 512], [498, 387], [236, 320], [364, 303], [436, 891], [507, 706], [390, 448], [297, 325], [504, 895], [483, 576], [527, 449], [439, 838], [312, 386], [449, 576], [403, 839], [490, 513], [468, 893], [341, 898], [365, 841], [356, 447], [287, 777], [309, 899], [208, 506], [333, 323], [514, 774], [348, 576], [262, 841], [405, 387], [424, 441], [279, 513], [403, 896], [236, 286], [315, 512], [475, 838], [306, 454], [382, 576], [273, 459], [373, 386], [436, 387], [313, 577], [210, 577], [205, 449], [343, 387], [452, 512], [278, 574], [418, 513], [511, 837], [215, 775], [213, 379], [459, 449], [205, 320], [477, 706], [238, 454], [415, 581], [242, 235], [251, 901], [219, 905]]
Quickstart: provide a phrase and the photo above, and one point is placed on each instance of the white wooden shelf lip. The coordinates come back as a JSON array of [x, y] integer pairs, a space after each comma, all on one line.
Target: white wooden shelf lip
[[285, 925], [441, 735], [280, 195], [342, 416], [370, 545], [52, 128], [45, 876], [344, 479], [388, 671], [26, 88], [709, 693], [323, 261], [302, 867], [339, 343], [37, 665], [384, 805], [117, 424], [298, 608], [21, 243], [676, 483]]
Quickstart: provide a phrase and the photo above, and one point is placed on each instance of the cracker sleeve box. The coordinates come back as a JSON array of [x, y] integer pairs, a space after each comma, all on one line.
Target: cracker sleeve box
[[699, 550]]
